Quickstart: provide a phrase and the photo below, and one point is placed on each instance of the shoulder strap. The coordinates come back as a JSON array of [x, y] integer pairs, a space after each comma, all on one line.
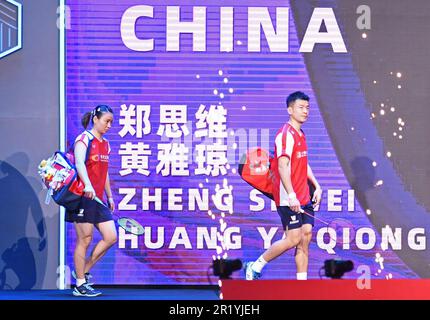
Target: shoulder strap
[[90, 141]]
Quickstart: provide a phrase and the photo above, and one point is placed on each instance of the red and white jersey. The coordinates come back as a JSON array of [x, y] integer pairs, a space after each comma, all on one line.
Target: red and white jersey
[[292, 144], [97, 162]]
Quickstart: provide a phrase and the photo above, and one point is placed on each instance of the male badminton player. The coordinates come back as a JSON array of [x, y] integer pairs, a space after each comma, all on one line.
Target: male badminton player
[[291, 173]]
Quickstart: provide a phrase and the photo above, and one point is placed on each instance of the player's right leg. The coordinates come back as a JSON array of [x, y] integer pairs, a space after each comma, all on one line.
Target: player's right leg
[[84, 232], [291, 222]]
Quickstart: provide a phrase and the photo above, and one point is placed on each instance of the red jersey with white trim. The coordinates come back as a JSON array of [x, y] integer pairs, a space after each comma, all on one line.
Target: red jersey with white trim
[[97, 161], [291, 144]]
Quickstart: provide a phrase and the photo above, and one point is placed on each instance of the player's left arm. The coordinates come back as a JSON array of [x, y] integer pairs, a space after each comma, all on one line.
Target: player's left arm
[[316, 199]]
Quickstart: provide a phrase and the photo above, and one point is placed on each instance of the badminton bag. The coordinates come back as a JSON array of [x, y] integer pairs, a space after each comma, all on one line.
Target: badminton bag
[[254, 168], [69, 188]]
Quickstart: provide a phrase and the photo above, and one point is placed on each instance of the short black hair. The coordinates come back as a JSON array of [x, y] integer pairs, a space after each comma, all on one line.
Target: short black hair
[[298, 95]]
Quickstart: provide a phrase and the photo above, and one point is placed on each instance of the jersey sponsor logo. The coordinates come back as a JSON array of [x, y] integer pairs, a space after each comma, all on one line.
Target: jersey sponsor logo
[[100, 157], [301, 154]]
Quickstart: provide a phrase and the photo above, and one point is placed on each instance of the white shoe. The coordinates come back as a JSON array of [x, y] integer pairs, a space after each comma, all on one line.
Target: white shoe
[[251, 274]]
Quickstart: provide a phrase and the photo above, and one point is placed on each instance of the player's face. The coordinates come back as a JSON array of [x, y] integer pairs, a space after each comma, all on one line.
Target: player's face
[[299, 110], [104, 123]]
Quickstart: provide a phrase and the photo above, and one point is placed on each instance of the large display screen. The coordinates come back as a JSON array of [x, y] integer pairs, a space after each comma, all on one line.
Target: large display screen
[[193, 86]]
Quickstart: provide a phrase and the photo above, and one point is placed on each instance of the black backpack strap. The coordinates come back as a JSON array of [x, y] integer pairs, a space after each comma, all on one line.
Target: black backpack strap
[[90, 141], [91, 137]]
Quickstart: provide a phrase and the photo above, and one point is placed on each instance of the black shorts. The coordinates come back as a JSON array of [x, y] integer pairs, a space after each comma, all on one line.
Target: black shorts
[[89, 211], [293, 220]]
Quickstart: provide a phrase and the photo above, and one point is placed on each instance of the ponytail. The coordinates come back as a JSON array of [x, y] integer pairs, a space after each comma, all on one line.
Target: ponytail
[[86, 119], [97, 112]]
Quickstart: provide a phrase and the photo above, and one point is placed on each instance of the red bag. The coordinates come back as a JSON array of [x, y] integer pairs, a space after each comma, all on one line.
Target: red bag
[[254, 168]]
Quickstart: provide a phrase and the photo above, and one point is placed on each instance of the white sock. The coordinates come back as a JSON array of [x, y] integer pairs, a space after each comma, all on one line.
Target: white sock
[[80, 282], [302, 276], [258, 265]]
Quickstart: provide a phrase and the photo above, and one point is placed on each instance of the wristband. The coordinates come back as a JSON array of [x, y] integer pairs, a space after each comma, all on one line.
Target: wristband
[[292, 196]]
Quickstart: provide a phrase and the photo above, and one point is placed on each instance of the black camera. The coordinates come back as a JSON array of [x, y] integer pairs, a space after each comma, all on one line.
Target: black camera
[[223, 268], [336, 268]]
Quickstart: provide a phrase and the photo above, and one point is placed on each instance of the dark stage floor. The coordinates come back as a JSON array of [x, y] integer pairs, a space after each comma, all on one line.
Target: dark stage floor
[[117, 293]]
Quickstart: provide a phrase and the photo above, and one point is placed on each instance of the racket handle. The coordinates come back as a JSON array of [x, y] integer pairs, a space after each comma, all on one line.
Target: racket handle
[[48, 196], [101, 202]]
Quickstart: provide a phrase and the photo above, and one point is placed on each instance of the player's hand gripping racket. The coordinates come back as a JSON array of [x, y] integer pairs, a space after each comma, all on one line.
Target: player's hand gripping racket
[[128, 224]]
